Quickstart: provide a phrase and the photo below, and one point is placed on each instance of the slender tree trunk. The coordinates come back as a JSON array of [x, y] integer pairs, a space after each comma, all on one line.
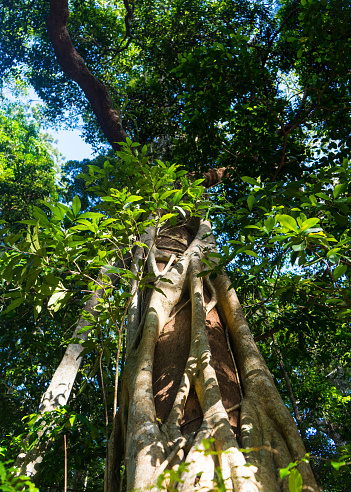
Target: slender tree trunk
[[180, 385], [60, 387]]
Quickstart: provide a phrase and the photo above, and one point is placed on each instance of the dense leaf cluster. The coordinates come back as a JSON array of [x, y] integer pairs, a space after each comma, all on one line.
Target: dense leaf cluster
[[262, 90]]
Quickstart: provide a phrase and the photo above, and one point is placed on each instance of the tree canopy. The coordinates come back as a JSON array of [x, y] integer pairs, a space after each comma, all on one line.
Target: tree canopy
[[256, 93]]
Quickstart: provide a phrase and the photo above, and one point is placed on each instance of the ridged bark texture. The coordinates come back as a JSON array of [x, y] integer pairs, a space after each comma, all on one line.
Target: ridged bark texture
[[155, 431]]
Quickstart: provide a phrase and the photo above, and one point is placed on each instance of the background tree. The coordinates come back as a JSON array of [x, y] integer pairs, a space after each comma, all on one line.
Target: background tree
[[27, 161]]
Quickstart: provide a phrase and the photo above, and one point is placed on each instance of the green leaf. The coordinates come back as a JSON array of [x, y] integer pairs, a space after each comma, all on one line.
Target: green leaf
[[82, 387], [88, 316], [167, 193], [2, 472], [339, 271], [337, 464], [107, 354], [134, 198], [76, 205], [250, 201], [309, 223], [214, 255], [250, 253], [14, 304], [284, 472], [323, 196], [85, 328], [207, 263], [177, 197], [299, 247], [313, 200], [288, 222], [92, 215], [165, 217], [58, 212], [295, 481], [56, 297], [249, 180], [40, 215], [333, 251], [151, 286], [339, 189], [269, 223], [334, 258]]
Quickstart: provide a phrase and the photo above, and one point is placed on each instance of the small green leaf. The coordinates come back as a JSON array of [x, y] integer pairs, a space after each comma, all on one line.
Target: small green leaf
[[133, 198], [14, 304], [334, 258], [58, 212], [76, 205], [177, 197], [337, 464], [269, 223], [288, 222], [339, 189], [92, 215], [2, 472], [284, 472], [250, 201], [323, 196], [56, 296], [84, 329], [250, 253], [333, 251], [309, 223], [165, 217], [167, 193], [339, 271], [299, 247], [249, 180], [107, 353], [295, 481]]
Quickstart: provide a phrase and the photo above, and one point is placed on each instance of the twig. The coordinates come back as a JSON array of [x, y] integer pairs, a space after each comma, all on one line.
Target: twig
[[65, 446], [234, 407], [234, 364], [180, 445], [178, 310]]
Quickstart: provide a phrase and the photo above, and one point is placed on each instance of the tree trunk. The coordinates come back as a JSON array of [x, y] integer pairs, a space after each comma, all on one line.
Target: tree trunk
[[180, 385], [60, 387]]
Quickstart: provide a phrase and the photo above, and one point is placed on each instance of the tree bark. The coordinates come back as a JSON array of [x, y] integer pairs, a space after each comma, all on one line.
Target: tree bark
[[75, 68], [175, 390], [60, 387], [168, 409]]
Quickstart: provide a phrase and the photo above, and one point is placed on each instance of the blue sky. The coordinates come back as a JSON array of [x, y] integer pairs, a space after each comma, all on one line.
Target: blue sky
[[69, 142], [71, 145]]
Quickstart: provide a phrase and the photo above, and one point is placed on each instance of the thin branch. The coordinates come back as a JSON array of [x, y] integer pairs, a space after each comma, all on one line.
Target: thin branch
[[235, 366], [65, 477], [270, 42]]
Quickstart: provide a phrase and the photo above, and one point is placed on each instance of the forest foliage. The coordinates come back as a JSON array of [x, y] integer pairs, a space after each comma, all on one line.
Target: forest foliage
[[262, 90]]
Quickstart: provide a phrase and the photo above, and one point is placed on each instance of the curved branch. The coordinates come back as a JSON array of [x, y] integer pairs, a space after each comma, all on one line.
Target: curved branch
[[75, 68]]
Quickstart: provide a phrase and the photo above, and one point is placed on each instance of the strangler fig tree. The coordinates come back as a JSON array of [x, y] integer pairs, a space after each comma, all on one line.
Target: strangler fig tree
[[195, 396]]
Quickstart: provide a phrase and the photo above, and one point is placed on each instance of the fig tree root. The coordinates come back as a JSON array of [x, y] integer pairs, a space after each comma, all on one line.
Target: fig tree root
[[183, 408]]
